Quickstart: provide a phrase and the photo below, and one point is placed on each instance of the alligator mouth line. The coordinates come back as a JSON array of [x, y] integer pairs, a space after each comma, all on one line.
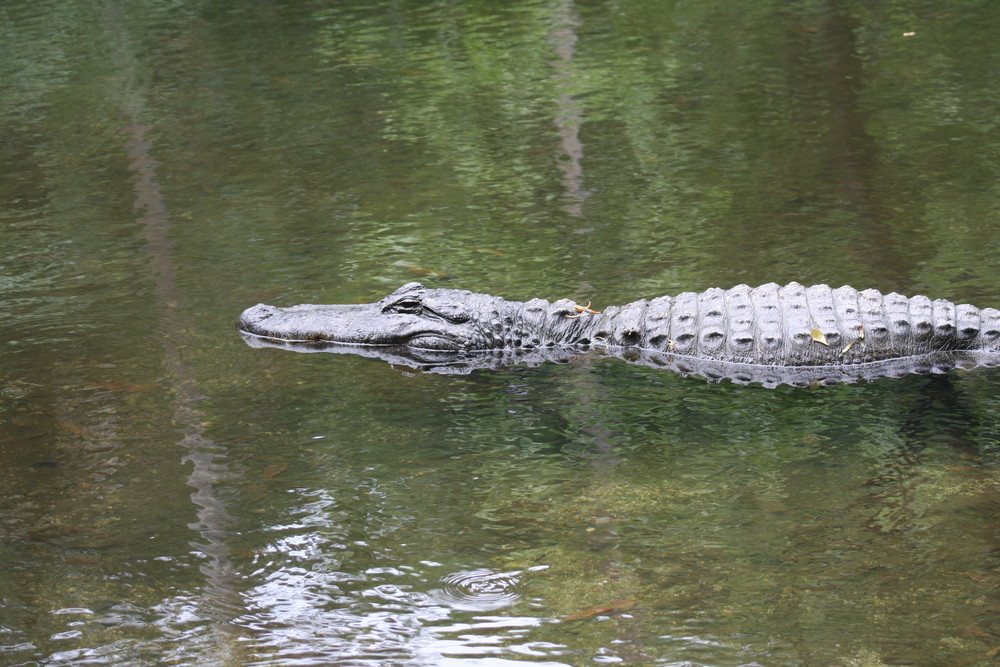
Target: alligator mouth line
[[330, 342], [322, 339], [304, 341]]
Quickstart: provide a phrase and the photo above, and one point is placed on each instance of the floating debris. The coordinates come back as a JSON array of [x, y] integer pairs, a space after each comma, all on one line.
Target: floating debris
[[613, 607]]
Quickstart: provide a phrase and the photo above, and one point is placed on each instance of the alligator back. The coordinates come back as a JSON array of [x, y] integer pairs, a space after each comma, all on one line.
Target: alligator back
[[793, 325]]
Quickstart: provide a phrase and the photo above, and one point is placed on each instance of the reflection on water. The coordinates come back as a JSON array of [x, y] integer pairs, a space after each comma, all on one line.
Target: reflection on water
[[170, 496], [383, 614], [569, 115]]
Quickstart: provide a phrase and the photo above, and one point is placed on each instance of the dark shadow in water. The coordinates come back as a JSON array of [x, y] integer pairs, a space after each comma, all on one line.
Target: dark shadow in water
[[219, 602], [938, 415]]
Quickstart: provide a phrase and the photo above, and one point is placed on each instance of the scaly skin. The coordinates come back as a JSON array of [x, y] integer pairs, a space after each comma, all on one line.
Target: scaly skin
[[771, 326]]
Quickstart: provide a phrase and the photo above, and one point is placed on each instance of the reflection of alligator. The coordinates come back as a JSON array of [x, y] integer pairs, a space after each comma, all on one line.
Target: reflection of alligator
[[770, 334]]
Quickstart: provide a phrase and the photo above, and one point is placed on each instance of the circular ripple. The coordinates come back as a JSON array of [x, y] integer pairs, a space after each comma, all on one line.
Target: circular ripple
[[477, 590]]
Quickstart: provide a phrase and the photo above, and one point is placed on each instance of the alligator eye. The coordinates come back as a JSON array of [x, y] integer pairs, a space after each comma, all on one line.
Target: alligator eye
[[407, 306]]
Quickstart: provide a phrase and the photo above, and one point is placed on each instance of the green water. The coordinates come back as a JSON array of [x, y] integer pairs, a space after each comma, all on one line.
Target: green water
[[169, 495]]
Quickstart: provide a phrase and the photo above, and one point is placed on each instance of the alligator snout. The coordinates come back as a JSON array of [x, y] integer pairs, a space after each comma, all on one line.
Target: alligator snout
[[253, 316]]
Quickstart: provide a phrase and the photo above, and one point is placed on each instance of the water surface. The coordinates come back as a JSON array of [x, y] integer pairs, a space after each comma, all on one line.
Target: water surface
[[172, 496]]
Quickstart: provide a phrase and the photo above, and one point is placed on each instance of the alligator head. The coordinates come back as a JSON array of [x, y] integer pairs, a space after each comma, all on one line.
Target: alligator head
[[411, 316], [422, 318]]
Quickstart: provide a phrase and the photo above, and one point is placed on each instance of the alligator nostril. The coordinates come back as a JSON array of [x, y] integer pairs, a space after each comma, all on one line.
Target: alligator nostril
[[264, 312]]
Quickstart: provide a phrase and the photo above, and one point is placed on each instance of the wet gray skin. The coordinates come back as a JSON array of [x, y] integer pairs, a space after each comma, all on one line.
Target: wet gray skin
[[769, 334], [422, 318]]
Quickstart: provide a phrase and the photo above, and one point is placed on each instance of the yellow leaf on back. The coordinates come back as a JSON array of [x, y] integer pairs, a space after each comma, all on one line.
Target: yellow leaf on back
[[818, 336]]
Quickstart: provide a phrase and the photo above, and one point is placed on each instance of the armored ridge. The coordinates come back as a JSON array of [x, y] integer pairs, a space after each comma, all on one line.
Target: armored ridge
[[792, 325], [771, 331]]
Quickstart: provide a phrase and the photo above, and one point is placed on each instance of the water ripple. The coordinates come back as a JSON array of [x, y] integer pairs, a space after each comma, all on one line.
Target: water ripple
[[477, 590]]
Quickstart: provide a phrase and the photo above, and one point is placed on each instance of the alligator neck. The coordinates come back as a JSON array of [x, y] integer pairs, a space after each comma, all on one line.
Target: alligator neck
[[539, 323]]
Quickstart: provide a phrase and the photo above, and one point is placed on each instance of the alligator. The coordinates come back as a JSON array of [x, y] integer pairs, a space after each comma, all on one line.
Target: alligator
[[772, 334]]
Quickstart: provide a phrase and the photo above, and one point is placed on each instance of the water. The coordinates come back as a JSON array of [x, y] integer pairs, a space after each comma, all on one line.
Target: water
[[171, 496]]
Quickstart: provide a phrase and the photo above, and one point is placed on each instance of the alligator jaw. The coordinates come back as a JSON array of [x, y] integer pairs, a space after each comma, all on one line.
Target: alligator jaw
[[306, 323], [442, 362], [361, 324]]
